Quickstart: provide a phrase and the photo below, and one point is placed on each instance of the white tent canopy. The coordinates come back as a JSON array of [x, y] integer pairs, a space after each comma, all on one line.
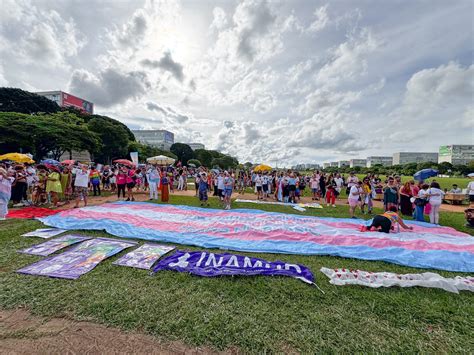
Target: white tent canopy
[[160, 160]]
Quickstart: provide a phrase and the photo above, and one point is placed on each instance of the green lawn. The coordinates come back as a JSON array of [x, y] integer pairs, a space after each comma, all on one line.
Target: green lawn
[[252, 314]]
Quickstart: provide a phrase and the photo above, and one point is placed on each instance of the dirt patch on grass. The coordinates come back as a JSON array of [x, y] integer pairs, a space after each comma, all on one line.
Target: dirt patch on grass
[[23, 333]]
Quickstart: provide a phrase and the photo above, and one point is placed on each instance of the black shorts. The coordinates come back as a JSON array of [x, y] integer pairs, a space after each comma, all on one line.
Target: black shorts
[[471, 198], [259, 188], [130, 185], [383, 222], [292, 188], [265, 188]]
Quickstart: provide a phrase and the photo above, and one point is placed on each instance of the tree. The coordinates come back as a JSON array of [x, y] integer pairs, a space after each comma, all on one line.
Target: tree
[[183, 152], [445, 167], [225, 162], [115, 139], [43, 134], [204, 156], [17, 100], [195, 162]]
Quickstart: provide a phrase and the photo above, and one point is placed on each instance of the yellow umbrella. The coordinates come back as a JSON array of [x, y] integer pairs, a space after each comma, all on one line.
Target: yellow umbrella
[[18, 157], [262, 167]]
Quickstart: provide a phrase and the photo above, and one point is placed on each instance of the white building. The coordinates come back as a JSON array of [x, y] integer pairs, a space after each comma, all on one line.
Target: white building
[[334, 164], [326, 165], [195, 146], [159, 138], [413, 157], [343, 163], [385, 161], [458, 154], [357, 162], [63, 99]]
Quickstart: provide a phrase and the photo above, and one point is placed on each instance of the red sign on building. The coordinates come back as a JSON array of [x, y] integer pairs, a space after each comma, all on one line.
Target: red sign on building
[[76, 102]]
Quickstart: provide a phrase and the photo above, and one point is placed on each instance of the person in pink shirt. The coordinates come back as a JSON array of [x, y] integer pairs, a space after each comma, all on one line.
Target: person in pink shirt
[[131, 181], [121, 181]]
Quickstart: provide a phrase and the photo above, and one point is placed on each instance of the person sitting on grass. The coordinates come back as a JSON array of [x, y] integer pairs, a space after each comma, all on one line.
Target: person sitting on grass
[[386, 221], [203, 186]]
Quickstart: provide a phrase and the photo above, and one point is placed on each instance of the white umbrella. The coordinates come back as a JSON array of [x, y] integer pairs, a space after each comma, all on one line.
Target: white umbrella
[[160, 160], [471, 175]]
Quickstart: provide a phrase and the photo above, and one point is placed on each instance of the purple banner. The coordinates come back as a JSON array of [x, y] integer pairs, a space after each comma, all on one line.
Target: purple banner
[[203, 263], [52, 246]]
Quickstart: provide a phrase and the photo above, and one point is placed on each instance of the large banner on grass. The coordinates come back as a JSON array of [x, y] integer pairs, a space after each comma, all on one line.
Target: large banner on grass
[[427, 246], [81, 259], [203, 263]]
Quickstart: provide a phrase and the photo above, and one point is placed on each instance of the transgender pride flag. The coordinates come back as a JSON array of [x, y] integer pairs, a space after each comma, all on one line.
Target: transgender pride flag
[[427, 246]]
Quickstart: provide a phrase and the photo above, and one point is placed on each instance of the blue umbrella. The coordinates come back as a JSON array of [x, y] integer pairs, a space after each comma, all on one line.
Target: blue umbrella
[[50, 161], [425, 174]]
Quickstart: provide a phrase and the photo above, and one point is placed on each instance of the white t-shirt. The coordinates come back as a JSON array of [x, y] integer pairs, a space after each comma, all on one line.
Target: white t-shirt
[[220, 182], [258, 181], [436, 200], [470, 188], [264, 180], [353, 191], [82, 178], [339, 182]]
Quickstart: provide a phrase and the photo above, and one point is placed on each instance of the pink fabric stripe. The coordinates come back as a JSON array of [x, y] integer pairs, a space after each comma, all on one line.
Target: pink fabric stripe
[[279, 234], [266, 217]]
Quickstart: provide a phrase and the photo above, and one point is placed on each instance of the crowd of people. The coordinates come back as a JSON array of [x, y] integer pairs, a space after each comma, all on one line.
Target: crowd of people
[[54, 185]]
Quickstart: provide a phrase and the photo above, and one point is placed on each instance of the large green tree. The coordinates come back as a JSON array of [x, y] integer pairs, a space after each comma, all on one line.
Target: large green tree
[[43, 134], [17, 100], [114, 138], [204, 156], [183, 152]]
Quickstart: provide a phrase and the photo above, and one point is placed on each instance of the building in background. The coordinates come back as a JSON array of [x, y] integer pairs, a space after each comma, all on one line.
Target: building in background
[[158, 138], [357, 162], [343, 163], [326, 165], [82, 156], [458, 154], [63, 99], [195, 146], [333, 164], [385, 161], [414, 157]]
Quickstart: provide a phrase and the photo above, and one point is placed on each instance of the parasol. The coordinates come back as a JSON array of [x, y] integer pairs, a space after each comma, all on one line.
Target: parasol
[[470, 175], [68, 162], [50, 162], [425, 174], [17, 157], [262, 167], [124, 162], [160, 160]]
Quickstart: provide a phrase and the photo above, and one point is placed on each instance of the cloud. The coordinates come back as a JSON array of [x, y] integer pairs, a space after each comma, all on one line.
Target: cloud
[[348, 61], [219, 19], [109, 87], [321, 20], [171, 114], [132, 32], [166, 63]]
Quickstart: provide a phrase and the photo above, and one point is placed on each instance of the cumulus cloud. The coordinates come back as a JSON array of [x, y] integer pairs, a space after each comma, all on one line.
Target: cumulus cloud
[[109, 87], [166, 63], [168, 112], [219, 19], [132, 32]]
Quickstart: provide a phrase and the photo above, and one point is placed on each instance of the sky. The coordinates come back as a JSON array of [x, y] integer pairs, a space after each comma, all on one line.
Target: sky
[[276, 82]]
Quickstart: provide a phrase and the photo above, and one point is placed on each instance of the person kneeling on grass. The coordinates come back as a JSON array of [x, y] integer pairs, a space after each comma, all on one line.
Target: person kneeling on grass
[[386, 221]]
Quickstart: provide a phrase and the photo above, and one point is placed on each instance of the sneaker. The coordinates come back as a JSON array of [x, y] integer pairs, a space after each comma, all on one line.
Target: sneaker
[[18, 205], [354, 217], [327, 204], [3, 219], [133, 198], [333, 205], [127, 199]]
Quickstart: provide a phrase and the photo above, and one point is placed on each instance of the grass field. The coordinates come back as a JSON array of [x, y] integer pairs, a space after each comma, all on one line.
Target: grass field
[[250, 314]]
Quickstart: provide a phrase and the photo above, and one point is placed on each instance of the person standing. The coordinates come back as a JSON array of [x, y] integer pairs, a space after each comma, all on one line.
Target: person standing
[[390, 194], [330, 191], [470, 190], [165, 188], [435, 196], [94, 177], [203, 186], [420, 203], [354, 197], [53, 185], [228, 187], [259, 186], [81, 185], [121, 180], [366, 198], [314, 183], [131, 181], [352, 180], [406, 193], [153, 178], [5, 192]]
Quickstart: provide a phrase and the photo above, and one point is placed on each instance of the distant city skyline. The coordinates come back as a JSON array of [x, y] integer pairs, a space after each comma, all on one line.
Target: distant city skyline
[[277, 82]]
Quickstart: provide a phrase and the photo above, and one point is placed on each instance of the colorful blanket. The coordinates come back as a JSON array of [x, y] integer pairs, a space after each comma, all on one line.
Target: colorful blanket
[[144, 257], [427, 246], [52, 246], [79, 260]]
